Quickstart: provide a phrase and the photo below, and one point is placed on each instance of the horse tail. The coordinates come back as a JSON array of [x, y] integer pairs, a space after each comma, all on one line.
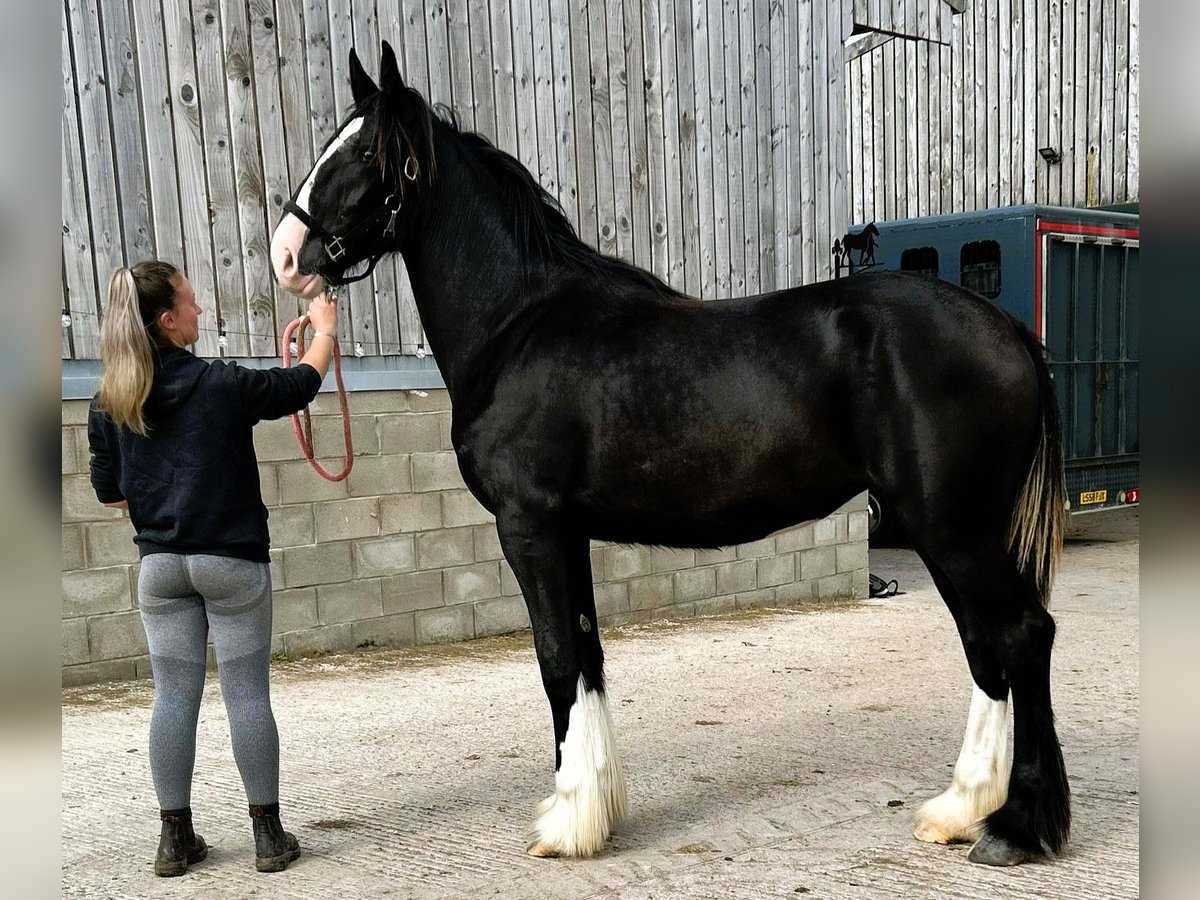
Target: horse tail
[[1035, 534]]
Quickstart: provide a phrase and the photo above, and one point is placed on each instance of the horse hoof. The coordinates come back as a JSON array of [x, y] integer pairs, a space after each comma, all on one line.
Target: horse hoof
[[541, 850], [934, 834], [949, 818], [991, 850]]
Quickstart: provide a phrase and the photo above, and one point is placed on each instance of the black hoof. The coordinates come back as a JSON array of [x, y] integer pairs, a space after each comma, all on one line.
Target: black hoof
[[991, 850]]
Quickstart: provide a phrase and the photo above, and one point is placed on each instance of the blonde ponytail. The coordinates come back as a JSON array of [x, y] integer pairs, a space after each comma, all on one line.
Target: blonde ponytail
[[136, 297]]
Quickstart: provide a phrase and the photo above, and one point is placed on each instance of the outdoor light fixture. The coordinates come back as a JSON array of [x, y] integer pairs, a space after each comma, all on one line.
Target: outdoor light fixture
[[1050, 155]]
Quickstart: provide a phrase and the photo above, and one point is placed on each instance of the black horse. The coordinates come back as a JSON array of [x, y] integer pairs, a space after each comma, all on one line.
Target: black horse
[[590, 400]]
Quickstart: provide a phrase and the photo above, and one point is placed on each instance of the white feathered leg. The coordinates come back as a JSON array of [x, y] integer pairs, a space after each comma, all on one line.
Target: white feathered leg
[[980, 783], [589, 796]]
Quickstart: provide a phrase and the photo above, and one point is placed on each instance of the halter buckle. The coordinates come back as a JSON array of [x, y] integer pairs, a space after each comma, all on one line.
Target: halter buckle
[[334, 249], [411, 163], [390, 229]]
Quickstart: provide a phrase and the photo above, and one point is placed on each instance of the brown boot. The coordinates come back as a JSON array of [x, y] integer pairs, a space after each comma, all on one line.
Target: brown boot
[[178, 845], [274, 848]]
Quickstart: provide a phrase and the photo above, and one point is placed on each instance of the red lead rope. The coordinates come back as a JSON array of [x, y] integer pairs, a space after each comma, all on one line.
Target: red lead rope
[[304, 432]]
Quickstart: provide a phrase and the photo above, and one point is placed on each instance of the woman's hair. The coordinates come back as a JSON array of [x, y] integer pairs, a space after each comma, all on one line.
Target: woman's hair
[[137, 296]]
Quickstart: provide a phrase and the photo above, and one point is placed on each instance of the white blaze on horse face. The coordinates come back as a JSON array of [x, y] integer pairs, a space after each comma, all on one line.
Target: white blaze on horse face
[[353, 127], [589, 798], [980, 783], [290, 233]]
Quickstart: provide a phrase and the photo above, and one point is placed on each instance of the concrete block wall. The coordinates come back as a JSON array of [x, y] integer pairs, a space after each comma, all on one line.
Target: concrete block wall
[[401, 554]]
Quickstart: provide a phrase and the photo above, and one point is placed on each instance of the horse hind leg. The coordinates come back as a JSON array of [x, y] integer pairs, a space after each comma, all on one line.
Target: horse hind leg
[[589, 799], [1035, 819], [980, 781], [1008, 620], [979, 784]]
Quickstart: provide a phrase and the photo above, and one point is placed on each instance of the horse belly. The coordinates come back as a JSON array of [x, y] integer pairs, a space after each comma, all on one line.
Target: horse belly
[[705, 503], [721, 528]]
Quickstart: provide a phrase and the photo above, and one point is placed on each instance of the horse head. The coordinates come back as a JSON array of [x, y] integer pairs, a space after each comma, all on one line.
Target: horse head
[[347, 212]]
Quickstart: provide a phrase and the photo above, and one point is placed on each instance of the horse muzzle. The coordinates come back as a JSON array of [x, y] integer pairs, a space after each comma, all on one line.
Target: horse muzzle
[[286, 244]]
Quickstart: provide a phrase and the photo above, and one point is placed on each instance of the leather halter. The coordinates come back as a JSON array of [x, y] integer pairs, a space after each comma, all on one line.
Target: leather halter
[[335, 244]]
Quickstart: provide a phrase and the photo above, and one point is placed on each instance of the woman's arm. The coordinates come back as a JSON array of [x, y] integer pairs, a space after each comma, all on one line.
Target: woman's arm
[[102, 471], [322, 312], [273, 393]]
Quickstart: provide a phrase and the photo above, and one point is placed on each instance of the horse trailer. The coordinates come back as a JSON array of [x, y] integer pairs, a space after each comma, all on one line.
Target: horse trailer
[[1072, 276]]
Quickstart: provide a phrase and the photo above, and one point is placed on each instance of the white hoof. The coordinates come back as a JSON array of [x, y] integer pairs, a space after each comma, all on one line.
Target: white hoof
[[980, 782], [948, 818], [589, 798]]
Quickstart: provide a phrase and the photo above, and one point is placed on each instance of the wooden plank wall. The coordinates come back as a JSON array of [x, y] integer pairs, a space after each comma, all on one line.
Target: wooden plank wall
[[701, 139], [993, 85]]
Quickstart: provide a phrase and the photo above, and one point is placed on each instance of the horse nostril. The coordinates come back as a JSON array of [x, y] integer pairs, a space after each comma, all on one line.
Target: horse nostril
[[286, 245], [287, 263]]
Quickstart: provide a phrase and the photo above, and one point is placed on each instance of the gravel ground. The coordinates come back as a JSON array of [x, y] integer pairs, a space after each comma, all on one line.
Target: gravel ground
[[768, 754]]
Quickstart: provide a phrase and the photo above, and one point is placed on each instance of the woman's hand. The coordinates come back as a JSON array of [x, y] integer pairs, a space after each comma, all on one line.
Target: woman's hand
[[322, 313]]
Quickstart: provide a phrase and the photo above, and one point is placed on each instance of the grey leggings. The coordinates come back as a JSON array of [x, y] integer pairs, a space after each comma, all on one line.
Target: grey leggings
[[183, 599]]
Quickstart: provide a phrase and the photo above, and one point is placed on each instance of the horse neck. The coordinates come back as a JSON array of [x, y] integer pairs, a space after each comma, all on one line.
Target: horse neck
[[465, 264]]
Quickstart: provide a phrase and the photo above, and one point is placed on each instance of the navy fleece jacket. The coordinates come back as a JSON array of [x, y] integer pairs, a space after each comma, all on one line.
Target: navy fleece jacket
[[192, 484]]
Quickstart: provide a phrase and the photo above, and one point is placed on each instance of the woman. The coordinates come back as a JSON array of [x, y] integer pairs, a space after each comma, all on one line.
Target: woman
[[170, 438]]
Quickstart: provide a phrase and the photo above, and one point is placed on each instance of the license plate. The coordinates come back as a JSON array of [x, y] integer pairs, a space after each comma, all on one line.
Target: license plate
[[1092, 497]]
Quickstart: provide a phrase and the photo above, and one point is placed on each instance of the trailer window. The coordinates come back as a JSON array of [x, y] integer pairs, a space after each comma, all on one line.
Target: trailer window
[[920, 259], [980, 267]]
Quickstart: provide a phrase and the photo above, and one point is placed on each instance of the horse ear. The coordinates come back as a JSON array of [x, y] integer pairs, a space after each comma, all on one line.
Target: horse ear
[[389, 72], [361, 85]]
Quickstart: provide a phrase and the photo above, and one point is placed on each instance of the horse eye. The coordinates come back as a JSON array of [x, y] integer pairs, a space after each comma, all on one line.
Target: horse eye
[[368, 155]]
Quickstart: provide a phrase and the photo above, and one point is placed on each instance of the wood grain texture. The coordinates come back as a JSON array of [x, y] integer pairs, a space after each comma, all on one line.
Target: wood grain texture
[[722, 144]]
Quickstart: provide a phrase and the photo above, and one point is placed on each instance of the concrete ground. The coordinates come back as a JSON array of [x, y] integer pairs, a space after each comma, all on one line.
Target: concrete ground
[[768, 754]]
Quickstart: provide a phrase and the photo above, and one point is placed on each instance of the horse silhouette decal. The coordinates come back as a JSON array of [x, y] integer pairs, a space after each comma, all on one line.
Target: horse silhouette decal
[[863, 242]]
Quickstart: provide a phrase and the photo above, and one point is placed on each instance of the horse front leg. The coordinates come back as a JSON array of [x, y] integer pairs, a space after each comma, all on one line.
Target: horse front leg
[[553, 569]]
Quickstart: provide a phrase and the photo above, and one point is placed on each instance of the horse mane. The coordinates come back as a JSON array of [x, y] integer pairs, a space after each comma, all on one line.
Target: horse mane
[[393, 142], [539, 220]]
